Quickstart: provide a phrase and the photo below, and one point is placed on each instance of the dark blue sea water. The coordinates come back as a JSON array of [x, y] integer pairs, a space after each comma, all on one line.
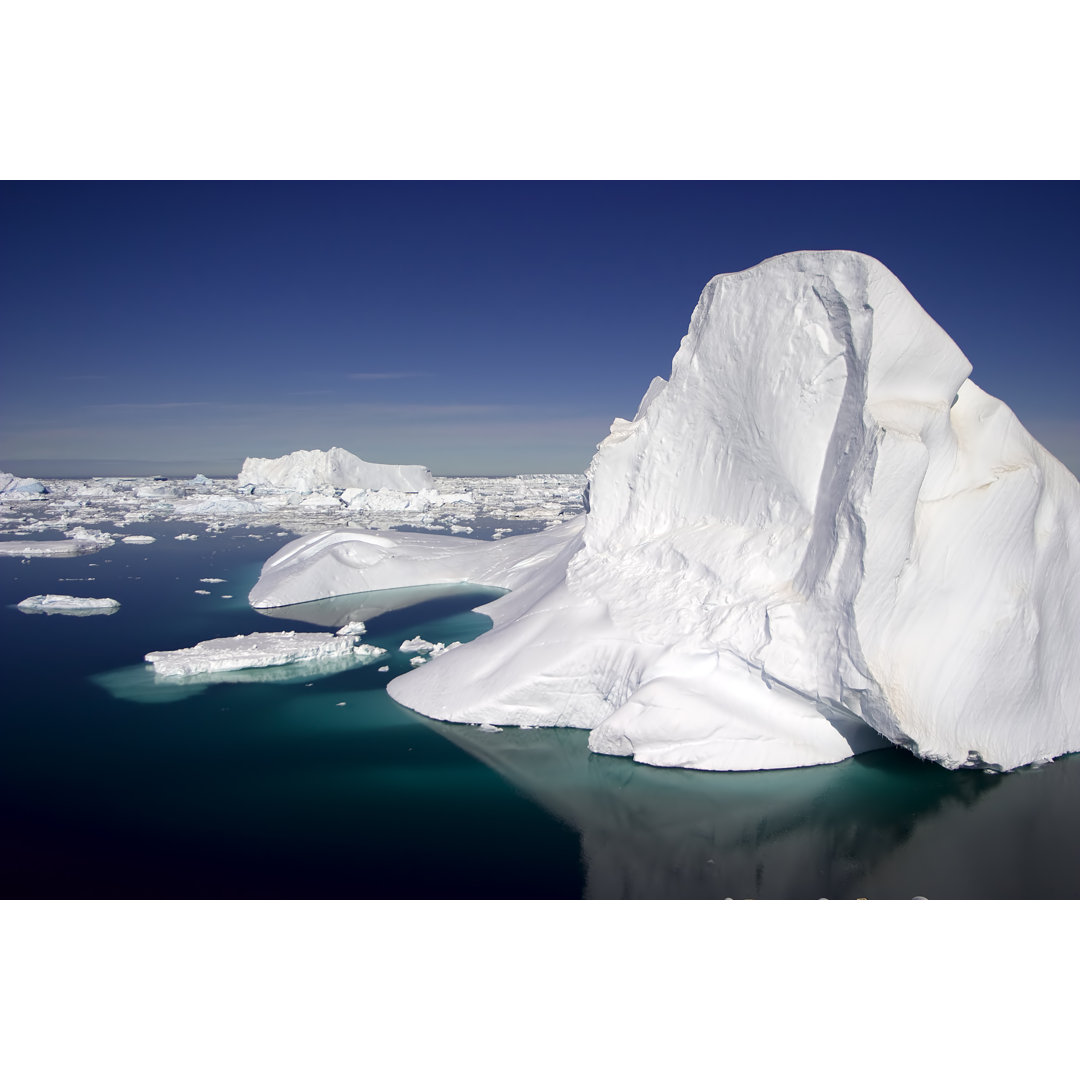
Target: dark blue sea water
[[113, 786]]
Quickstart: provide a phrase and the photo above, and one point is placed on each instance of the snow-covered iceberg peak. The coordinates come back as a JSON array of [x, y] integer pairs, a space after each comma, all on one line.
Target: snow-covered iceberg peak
[[309, 470], [821, 492]]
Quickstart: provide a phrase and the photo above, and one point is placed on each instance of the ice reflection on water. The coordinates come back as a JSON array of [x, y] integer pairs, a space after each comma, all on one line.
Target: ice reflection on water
[[881, 825]]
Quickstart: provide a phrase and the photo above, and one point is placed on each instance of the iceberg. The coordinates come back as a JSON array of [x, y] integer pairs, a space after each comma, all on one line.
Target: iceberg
[[307, 471], [20, 487], [56, 604], [258, 651], [817, 537]]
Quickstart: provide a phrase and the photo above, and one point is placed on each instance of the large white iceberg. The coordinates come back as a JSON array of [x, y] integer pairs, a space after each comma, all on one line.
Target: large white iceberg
[[818, 534], [308, 470]]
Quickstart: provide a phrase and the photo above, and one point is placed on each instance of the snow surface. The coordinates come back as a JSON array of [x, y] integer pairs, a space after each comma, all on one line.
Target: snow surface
[[817, 535], [258, 650], [57, 604], [308, 470]]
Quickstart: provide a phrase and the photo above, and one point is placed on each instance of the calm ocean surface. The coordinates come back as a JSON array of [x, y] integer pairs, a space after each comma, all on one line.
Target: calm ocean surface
[[113, 785]]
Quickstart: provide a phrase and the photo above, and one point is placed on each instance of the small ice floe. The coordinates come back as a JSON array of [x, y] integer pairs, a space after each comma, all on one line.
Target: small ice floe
[[202, 592], [259, 650], [416, 661], [226, 596], [339, 704], [213, 580], [95, 536], [138, 539], [385, 667], [355, 627], [488, 727], [430, 649], [187, 536], [55, 604]]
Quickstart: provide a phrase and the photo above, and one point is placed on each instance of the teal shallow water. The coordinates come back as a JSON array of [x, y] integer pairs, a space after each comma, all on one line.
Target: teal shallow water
[[321, 786]]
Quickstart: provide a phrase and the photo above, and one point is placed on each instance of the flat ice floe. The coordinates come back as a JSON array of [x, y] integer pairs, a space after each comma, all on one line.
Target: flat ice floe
[[817, 537], [29, 549], [58, 604], [259, 650]]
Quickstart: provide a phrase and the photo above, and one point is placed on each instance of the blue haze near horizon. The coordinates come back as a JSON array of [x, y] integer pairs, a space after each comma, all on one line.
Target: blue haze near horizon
[[476, 328]]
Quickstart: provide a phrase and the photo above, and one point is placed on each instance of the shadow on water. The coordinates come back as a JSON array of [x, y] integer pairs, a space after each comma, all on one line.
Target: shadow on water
[[386, 610]]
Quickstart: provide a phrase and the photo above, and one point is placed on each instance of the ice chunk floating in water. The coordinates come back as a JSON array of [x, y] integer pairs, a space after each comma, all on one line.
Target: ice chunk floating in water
[[818, 534], [56, 604], [259, 650]]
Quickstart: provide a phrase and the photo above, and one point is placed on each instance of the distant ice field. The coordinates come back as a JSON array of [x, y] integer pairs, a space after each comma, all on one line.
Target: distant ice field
[[467, 506]]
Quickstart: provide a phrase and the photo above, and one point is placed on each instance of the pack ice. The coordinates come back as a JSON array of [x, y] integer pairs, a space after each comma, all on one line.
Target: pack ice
[[817, 535], [308, 470]]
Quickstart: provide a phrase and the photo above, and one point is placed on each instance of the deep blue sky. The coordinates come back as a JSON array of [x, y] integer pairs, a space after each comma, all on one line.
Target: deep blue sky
[[474, 328]]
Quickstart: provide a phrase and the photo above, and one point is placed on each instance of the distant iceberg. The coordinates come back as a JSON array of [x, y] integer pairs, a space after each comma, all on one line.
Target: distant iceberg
[[309, 470], [20, 487], [817, 537]]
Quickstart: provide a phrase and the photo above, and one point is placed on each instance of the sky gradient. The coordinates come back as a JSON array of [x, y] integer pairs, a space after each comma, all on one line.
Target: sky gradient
[[476, 328]]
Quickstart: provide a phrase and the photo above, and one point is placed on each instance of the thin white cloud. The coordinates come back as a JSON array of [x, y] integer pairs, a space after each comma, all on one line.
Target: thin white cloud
[[161, 405], [372, 375]]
